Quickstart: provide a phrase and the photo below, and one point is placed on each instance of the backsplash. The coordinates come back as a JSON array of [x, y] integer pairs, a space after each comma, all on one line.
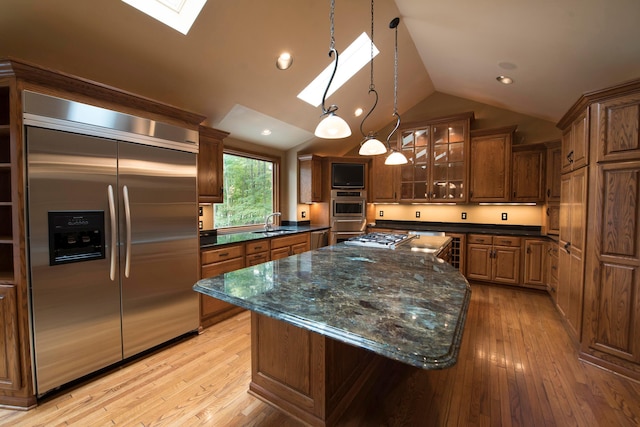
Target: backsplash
[[475, 214]]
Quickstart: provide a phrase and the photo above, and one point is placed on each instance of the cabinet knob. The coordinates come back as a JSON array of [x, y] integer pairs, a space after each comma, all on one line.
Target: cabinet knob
[[548, 211]]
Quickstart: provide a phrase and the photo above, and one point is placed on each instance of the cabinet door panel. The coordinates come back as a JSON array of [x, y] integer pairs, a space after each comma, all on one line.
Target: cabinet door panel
[[528, 176], [479, 262], [490, 163], [506, 265], [580, 141], [534, 262], [618, 129], [9, 348]]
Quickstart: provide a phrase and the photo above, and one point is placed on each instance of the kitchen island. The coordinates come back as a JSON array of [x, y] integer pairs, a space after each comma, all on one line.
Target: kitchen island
[[322, 319]]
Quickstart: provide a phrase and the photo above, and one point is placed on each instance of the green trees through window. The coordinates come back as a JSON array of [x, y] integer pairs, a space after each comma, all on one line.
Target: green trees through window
[[248, 191]]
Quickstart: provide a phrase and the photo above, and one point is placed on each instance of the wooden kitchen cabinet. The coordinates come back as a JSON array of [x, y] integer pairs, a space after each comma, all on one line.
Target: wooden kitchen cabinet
[[490, 166], [528, 174], [10, 375], [551, 220], [611, 330], [553, 171], [210, 167], [282, 247], [575, 144], [309, 178], [257, 252], [535, 258], [214, 262], [437, 154], [493, 258], [384, 182], [573, 215], [552, 270]]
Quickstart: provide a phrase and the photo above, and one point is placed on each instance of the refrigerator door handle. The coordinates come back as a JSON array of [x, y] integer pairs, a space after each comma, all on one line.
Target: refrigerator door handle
[[127, 218], [114, 235]]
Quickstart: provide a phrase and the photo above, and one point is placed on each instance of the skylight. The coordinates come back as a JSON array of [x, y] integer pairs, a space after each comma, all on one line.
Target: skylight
[[356, 56], [177, 14]]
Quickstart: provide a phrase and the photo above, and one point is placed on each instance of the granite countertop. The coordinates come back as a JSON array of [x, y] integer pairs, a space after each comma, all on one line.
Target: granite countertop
[[404, 304], [246, 236]]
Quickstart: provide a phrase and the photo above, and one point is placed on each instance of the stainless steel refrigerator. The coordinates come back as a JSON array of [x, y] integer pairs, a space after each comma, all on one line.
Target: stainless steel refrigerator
[[113, 246]]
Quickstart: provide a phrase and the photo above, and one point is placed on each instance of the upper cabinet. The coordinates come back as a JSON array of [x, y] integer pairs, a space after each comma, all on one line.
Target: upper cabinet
[[554, 168], [309, 178], [210, 170], [616, 122], [575, 144], [490, 171], [437, 154], [528, 173]]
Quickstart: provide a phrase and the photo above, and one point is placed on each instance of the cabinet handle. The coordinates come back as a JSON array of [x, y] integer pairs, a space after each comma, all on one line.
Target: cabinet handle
[[507, 242], [514, 194], [548, 192], [258, 247], [548, 211], [528, 250], [570, 156], [566, 247], [224, 254]]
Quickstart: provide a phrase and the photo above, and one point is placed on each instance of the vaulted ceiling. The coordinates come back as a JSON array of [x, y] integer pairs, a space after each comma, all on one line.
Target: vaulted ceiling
[[224, 68]]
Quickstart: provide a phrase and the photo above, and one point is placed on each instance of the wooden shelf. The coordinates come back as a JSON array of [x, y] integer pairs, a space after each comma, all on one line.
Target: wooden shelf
[[6, 278], [6, 240]]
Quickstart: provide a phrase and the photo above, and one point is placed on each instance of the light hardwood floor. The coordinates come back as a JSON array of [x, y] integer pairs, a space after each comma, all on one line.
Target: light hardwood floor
[[517, 366]]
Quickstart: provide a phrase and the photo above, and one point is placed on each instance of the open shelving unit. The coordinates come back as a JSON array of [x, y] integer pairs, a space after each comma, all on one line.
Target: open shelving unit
[[6, 202]]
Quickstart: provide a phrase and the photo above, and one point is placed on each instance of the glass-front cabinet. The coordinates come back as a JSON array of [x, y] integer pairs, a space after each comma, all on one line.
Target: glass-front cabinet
[[437, 165]]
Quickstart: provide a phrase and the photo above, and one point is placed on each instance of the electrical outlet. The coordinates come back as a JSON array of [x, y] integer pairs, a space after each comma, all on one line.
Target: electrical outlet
[[381, 214], [464, 215], [303, 214], [504, 216], [199, 210], [417, 214]]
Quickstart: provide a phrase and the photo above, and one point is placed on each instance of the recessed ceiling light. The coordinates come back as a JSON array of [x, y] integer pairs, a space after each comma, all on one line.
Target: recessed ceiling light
[[266, 132], [505, 80], [284, 61], [358, 112], [177, 14], [354, 57]]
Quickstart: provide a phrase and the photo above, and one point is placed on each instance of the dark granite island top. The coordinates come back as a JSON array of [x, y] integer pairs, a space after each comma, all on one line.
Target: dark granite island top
[[404, 304]]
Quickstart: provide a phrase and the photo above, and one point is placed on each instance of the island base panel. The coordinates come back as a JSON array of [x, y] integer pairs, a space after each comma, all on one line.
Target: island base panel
[[307, 375]]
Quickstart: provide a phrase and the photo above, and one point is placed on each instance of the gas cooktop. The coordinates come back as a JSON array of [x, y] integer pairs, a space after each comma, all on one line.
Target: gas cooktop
[[380, 240]]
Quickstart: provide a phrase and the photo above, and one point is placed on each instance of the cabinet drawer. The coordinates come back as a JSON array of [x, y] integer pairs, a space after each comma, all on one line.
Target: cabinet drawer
[[222, 254], [258, 258], [479, 238], [506, 241], [258, 246], [295, 239], [210, 270]]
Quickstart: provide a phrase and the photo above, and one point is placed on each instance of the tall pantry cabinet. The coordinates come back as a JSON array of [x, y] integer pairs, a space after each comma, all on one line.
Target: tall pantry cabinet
[[609, 119]]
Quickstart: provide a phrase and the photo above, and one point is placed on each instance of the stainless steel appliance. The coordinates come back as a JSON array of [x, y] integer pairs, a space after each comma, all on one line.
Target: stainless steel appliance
[[348, 216], [113, 236]]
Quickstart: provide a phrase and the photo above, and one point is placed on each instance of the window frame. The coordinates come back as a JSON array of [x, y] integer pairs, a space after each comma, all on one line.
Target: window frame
[[276, 187]]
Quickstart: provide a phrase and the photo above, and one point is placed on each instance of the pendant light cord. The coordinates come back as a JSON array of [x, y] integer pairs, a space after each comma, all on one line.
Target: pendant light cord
[[332, 50], [394, 24], [372, 87]]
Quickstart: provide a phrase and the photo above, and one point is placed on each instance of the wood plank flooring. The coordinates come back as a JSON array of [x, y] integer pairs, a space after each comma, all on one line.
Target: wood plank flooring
[[517, 367]]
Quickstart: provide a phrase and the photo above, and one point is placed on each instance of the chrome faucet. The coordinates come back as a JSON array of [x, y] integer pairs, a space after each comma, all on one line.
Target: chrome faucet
[[267, 226]]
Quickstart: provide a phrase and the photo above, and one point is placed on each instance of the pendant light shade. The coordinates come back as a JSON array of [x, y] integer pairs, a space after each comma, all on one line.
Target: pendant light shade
[[372, 147], [331, 126], [396, 157]]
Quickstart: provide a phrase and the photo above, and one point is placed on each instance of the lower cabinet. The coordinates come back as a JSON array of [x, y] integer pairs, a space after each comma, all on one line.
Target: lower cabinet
[[215, 262], [9, 352], [535, 255], [257, 252], [493, 258], [235, 256], [282, 247]]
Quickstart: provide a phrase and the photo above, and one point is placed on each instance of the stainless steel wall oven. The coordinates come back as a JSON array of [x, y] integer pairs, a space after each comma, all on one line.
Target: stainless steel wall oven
[[348, 214]]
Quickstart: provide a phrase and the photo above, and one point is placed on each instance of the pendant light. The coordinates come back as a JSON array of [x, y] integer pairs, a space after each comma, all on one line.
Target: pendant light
[[396, 157], [331, 126], [371, 146]]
